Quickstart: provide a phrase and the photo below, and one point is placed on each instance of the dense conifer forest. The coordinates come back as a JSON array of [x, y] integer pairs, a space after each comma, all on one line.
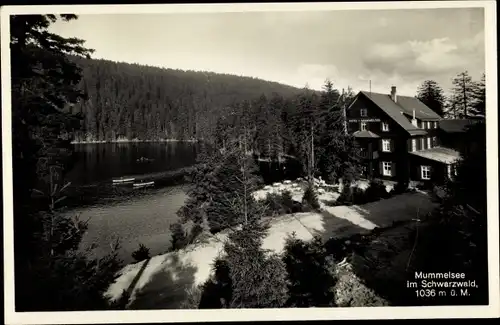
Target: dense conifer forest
[[131, 101]]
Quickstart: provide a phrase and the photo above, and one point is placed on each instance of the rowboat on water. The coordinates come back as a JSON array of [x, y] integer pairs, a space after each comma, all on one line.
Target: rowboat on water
[[123, 180], [146, 184]]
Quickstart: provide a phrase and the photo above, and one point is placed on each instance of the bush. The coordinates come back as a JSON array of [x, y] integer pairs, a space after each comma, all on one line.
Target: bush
[[280, 204], [287, 201], [355, 195], [273, 204], [351, 195], [142, 253], [376, 191], [310, 281], [182, 237], [310, 198], [400, 188]]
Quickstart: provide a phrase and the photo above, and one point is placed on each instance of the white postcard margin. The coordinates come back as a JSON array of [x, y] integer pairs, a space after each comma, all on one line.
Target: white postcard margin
[[140, 316]]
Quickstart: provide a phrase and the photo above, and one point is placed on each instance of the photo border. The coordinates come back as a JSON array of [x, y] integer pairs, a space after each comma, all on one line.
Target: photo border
[[140, 316]]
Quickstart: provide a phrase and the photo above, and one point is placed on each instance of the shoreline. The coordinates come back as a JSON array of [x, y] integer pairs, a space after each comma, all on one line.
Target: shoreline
[[133, 141]]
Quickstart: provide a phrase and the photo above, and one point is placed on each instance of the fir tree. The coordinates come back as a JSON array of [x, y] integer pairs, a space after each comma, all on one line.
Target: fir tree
[[462, 96], [479, 106], [51, 273], [431, 94]]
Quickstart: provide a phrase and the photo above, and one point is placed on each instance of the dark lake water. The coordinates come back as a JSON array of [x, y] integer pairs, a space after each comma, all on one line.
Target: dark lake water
[[143, 218], [99, 162]]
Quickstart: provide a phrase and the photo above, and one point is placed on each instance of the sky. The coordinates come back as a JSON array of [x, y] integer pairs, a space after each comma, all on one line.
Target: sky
[[399, 48]]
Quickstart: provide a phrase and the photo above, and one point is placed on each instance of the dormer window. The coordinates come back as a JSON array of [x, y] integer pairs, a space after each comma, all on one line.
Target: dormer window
[[363, 126], [363, 112], [385, 126]]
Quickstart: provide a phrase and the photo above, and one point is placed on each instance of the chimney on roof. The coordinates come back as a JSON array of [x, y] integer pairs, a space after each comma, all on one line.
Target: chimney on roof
[[414, 120], [394, 95]]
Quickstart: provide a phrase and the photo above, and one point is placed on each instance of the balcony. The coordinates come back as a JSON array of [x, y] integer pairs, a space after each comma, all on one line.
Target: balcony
[[369, 155]]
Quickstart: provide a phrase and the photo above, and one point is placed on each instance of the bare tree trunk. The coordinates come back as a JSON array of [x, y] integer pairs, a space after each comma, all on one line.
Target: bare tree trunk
[[311, 169], [464, 95]]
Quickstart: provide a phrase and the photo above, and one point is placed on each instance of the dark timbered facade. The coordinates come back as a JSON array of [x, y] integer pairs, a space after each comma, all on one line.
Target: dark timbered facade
[[399, 138]]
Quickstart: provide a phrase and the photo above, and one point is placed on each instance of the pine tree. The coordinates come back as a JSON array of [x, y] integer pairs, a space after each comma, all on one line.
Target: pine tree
[[462, 97], [339, 157], [479, 106], [307, 125], [431, 94], [51, 274]]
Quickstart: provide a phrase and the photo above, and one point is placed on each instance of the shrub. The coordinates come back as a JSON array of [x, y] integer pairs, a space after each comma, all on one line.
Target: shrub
[[273, 204], [195, 231], [400, 188], [142, 253], [280, 204], [310, 281], [310, 198], [179, 238], [376, 191], [351, 195], [287, 201]]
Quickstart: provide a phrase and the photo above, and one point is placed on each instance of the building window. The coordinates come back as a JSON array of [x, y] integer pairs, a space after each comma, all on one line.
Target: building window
[[385, 126], [413, 144], [386, 145], [363, 112], [429, 144], [434, 141], [426, 172], [449, 167], [386, 168], [422, 143], [428, 125], [363, 126], [435, 125]]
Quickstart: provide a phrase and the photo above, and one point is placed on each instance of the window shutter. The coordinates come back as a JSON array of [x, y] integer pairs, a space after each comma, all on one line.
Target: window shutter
[[393, 169], [381, 168], [391, 142]]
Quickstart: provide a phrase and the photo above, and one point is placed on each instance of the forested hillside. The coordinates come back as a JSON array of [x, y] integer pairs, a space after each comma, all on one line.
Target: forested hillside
[[131, 101]]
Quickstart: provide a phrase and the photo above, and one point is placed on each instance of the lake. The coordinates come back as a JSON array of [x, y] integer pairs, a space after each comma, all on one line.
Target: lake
[[135, 219], [99, 162]]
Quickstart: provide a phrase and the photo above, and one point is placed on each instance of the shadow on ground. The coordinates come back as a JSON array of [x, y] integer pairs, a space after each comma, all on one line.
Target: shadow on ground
[[377, 239], [167, 287]]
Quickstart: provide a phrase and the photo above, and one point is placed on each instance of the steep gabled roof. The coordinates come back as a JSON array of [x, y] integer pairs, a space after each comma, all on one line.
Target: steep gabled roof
[[395, 111], [455, 126], [422, 111]]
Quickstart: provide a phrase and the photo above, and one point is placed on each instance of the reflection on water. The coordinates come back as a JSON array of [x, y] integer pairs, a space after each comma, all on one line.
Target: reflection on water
[[145, 220], [99, 162], [142, 219]]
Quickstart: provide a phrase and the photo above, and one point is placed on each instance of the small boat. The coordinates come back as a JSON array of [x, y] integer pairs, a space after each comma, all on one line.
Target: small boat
[[146, 184], [123, 180], [144, 159]]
